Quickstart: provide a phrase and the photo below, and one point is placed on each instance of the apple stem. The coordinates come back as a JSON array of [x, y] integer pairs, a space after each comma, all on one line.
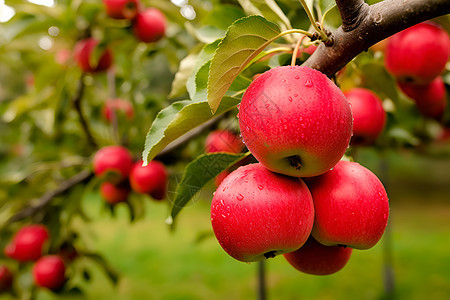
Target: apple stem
[[295, 162], [294, 55], [262, 294]]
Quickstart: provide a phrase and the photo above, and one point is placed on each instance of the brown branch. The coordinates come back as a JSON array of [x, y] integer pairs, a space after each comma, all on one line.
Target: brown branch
[[373, 24], [28, 211], [350, 11], [77, 104]]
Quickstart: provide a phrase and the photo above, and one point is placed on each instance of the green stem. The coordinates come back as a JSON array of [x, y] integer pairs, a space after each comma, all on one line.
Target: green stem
[[294, 55], [323, 35]]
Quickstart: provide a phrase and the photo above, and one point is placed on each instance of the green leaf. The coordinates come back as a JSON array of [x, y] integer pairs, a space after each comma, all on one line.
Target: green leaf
[[205, 55], [326, 5], [184, 71], [379, 80], [245, 39], [176, 120], [198, 173]]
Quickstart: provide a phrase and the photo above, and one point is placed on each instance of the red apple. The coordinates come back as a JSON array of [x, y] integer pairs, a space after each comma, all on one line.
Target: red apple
[[6, 279], [113, 193], [49, 271], [83, 56], [223, 141], [257, 214], [150, 25], [418, 54], [121, 9], [317, 259], [430, 99], [118, 106], [219, 178], [151, 179], [351, 206], [28, 242], [113, 159], [369, 117], [295, 121]]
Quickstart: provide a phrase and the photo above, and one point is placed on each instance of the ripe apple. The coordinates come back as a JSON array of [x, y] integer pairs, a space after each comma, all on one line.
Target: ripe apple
[[113, 159], [430, 99], [317, 259], [219, 178], [6, 279], [149, 25], [49, 271], [257, 214], [151, 179], [121, 9], [295, 121], [28, 242], [223, 141], [83, 56], [418, 54], [351, 206], [118, 106], [369, 117], [114, 193]]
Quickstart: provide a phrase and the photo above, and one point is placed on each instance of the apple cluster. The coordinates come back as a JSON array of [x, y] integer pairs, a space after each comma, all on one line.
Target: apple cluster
[[29, 244], [416, 57], [149, 24], [121, 175], [300, 199]]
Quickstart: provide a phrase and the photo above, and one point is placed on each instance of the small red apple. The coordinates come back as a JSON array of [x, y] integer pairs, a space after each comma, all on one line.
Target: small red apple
[[351, 206], [317, 259], [118, 106], [219, 178], [257, 214], [121, 9], [6, 279], [83, 56], [151, 179], [430, 99], [150, 25], [114, 194], [28, 242], [223, 141], [418, 54], [49, 271], [369, 117], [113, 159], [295, 121]]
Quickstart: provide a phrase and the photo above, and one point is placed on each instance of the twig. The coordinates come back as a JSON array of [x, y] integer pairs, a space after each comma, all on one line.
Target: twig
[[47, 197], [77, 104], [350, 11], [370, 25]]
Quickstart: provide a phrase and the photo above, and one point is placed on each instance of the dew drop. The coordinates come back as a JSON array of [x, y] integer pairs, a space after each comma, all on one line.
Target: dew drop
[[221, 202], [290, 99], [283, 80], [224, 216], [308, 83], [295, 95], [260, 187], [297, 77], [240, 197]]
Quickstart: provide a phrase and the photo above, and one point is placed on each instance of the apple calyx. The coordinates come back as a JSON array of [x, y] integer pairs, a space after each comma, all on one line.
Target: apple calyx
[[295, 162]]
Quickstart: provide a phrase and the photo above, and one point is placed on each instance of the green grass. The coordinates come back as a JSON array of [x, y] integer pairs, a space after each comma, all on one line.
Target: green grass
[[157, 264]]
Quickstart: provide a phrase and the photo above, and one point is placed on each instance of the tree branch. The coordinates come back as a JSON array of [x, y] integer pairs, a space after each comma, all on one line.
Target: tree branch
[[77, 104], [350, 11], [372, 24], [28, 211]]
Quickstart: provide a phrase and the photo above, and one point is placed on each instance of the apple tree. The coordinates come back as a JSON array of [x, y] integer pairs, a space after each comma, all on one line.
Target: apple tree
[[116, 98]]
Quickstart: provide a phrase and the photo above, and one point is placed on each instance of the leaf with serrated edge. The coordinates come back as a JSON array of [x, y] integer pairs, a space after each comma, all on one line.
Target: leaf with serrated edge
[[245, 39], [176, 120], [199, 172]]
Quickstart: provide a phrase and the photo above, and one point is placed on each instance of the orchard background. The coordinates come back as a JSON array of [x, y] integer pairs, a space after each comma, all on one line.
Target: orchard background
[[52, 122]]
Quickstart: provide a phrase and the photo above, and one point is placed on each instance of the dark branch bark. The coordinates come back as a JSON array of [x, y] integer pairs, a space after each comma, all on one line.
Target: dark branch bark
[[375, 23], [350, 11], [28, 211], [77, 104]]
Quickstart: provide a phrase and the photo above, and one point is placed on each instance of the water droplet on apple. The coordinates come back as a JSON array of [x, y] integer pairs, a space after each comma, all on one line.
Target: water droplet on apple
[[221, 202], [224, 216], [297, 77], [240, 197], [295, 95], [308, 83], [290, 99], [283, 80], [260, 187]]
